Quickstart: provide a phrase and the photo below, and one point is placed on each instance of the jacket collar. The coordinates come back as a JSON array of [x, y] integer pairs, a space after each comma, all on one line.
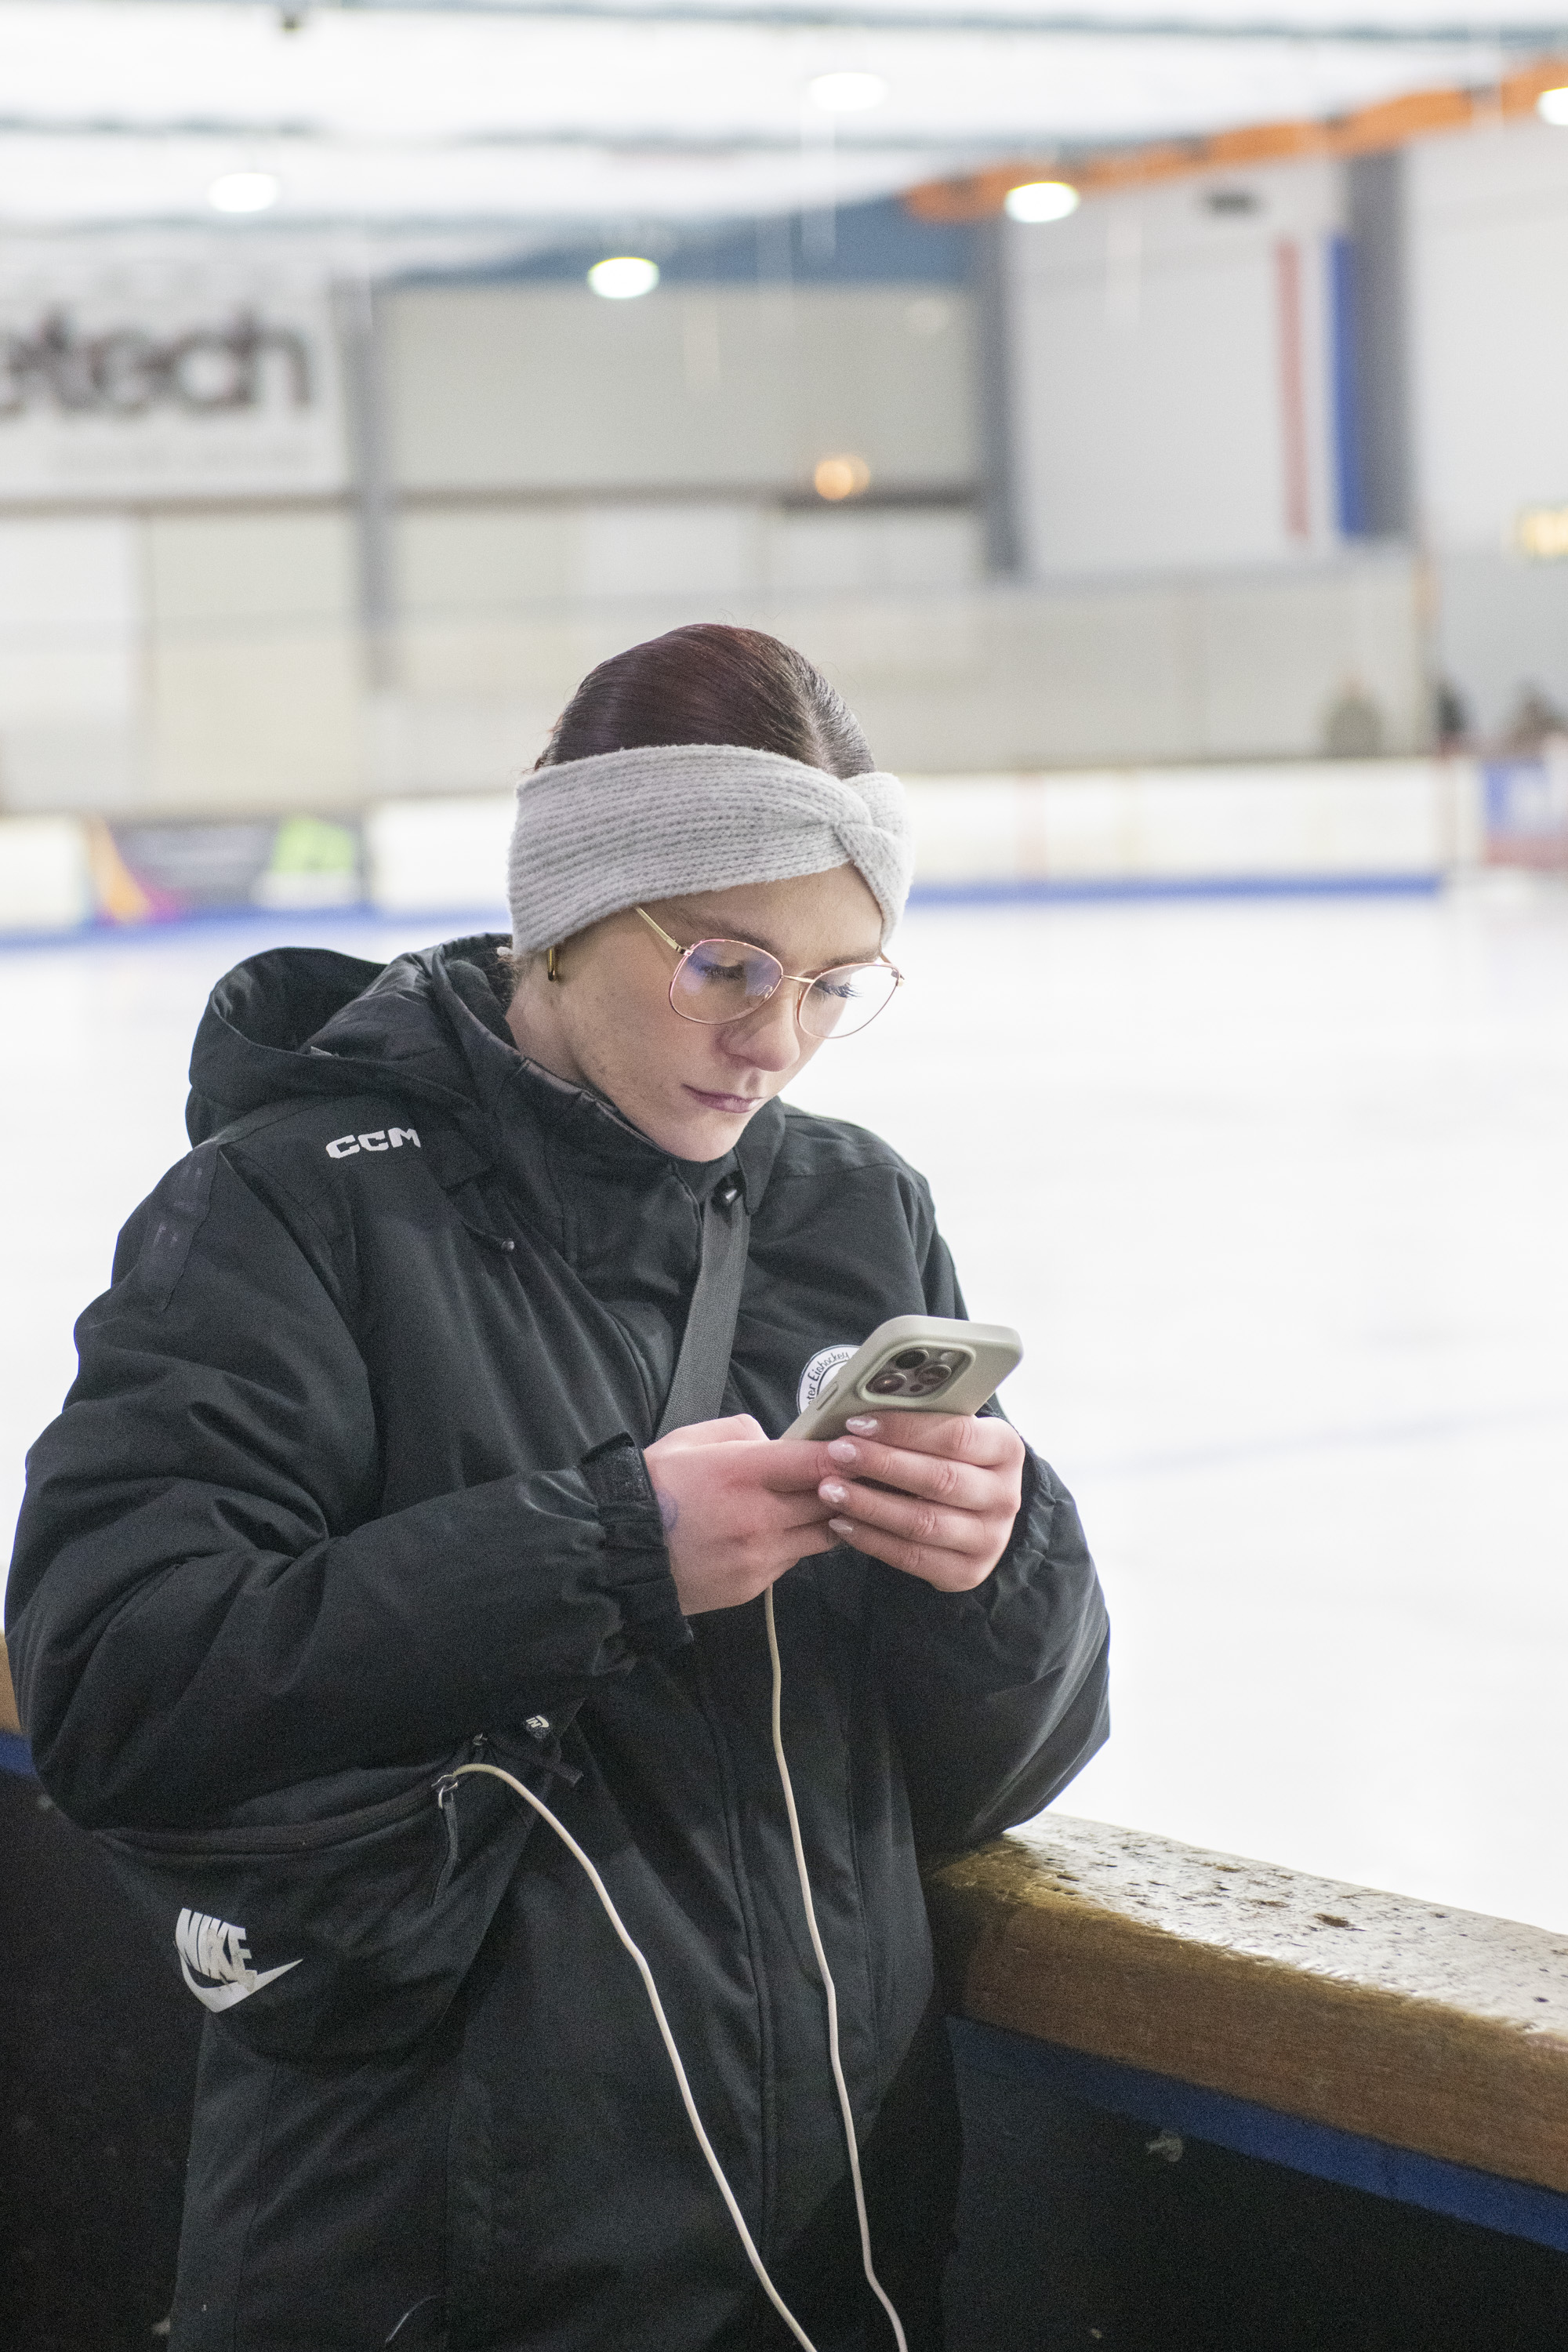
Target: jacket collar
[[534, 1109]]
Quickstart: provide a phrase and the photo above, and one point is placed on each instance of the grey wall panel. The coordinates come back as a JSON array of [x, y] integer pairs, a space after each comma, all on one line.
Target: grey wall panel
[[703, 388], [254, 662], [968, 679], [461, 566]]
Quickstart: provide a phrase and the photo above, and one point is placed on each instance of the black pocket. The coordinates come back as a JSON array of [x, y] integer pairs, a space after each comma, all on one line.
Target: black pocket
[[337, 1919]]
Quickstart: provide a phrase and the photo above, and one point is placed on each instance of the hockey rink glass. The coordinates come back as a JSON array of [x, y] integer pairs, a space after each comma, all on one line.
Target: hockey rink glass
[[717, 981]]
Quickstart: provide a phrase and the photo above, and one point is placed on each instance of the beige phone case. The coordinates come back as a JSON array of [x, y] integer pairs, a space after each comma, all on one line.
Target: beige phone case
[[915, 1363]]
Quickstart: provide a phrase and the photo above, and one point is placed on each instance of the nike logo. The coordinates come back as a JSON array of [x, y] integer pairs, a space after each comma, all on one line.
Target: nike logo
[[216, 1950]]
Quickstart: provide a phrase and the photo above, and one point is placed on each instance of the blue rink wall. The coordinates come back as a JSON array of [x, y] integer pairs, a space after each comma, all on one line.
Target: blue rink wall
[[1352, 826]]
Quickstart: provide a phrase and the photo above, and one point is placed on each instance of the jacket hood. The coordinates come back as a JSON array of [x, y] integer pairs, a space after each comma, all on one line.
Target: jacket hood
[[298, 1023]]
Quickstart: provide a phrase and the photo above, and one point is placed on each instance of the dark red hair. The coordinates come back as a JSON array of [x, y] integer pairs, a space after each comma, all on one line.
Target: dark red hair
[[709, 683]]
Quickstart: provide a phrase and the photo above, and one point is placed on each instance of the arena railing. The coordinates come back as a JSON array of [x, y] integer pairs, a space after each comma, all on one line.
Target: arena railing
[[1195, 2084]]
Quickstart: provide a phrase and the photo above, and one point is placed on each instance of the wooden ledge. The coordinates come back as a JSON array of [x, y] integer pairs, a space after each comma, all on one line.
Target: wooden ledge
[[1436, 2029], [9, 1718]]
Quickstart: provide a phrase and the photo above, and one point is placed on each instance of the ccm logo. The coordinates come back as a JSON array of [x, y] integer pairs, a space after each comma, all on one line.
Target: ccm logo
[[380, 1139]]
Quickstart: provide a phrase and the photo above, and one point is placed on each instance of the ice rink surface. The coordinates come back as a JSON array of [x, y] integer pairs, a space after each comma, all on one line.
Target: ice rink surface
[[1278, 1195]]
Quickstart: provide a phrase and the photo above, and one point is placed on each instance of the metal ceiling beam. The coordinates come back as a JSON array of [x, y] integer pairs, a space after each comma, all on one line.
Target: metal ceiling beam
[[1366, 130], [843, 15], [698, 146]]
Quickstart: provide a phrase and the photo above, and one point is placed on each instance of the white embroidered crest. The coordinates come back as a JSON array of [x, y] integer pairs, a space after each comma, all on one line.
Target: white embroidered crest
[[819, 1373]]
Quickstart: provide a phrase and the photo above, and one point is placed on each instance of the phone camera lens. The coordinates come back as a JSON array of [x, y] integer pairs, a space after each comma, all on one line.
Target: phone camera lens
[[927, 1383], [888, 1383], [910, 1359]]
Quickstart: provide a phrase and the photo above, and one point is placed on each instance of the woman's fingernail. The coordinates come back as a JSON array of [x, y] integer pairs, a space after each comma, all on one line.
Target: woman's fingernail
[[862, 1425], [841, 1527], [842, 1451], [832, 1491]]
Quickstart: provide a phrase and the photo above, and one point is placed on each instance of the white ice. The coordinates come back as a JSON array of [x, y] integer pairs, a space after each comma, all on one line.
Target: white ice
[[1278, 1195]]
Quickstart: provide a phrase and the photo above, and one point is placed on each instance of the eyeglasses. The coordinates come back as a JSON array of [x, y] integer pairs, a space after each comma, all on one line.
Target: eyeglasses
[[723, 979]]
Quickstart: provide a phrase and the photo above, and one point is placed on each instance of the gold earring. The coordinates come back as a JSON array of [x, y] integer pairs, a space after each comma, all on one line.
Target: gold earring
[[551, 972]]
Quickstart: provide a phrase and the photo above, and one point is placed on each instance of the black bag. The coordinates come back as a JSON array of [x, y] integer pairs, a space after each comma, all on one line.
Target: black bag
[[338, 1919]]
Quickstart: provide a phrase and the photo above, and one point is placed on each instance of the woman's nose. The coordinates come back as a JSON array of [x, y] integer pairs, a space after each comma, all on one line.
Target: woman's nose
[[768, 1038]]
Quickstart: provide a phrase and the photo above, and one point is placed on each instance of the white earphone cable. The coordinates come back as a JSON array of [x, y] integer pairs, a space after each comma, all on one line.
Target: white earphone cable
[[695, 2120], [845, 2109], [662, 2021]]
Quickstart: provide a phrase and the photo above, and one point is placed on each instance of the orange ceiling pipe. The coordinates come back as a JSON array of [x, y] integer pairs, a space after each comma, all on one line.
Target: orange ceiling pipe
[[1423, 114]]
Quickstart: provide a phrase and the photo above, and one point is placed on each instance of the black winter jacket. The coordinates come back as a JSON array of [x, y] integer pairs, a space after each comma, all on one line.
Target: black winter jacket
[[351, 1474]]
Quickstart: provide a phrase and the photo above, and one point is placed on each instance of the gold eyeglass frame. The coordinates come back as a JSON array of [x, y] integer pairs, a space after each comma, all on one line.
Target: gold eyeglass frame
[[805, 980]]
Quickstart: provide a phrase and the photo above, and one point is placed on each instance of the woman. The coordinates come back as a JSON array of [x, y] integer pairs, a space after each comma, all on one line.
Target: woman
[[360, 1479]]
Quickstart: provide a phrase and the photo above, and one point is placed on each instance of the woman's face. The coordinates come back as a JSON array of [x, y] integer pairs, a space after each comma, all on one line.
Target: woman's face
[[607, 1022]]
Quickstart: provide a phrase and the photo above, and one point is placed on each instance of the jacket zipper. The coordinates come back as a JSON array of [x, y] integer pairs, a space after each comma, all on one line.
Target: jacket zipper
[[446, 1800]]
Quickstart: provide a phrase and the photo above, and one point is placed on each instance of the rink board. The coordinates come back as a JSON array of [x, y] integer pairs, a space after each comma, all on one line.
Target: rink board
[[1340, 826]]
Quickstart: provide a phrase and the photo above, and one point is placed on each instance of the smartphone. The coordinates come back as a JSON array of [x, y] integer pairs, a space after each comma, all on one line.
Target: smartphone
[[915, 1363]]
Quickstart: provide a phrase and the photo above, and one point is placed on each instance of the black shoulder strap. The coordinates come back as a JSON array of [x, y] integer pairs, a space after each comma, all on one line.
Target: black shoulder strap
[[702, 1367]]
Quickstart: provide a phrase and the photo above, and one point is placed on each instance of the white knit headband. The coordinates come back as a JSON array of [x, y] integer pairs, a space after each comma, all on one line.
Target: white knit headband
[[594, 836]]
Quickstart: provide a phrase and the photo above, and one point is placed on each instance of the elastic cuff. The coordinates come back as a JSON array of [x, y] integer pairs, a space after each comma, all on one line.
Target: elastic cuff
[[1027, 1498], [637, 1564]]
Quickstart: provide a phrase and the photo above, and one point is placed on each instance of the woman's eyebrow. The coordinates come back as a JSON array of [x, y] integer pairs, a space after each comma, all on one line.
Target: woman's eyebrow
[[709, 926], [698, 923]]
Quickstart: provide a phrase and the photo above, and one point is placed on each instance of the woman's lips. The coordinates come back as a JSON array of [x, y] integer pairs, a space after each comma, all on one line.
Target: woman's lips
[[738, 1106]]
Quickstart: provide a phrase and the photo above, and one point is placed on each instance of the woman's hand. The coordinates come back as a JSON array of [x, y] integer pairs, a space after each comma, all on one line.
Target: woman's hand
[[957, 1483], [738, 1509]]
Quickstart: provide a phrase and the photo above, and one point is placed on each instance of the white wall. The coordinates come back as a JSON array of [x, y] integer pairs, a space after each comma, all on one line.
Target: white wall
[[1147, 376], [1488, 221], [180, 661], [70, 620], [253, 662], [458, 567], [1488, 229], [1150, 423]]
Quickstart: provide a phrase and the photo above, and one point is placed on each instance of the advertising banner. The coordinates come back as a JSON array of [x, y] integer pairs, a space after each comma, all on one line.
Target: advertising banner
[[156, 871], [1527, 808], [69, 873], [198, 397]]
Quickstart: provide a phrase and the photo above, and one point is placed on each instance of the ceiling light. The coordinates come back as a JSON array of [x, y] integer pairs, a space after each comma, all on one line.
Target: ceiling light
[[1542, 531], [1552, 107], [244, 191], [848, 93], [841, 478], [1041, 200], [624, 277]]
